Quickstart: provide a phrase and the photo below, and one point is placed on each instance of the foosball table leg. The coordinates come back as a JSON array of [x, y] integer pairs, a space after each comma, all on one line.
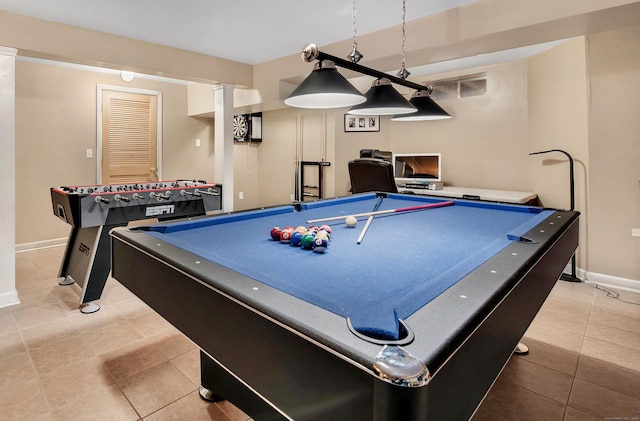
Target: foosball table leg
[[86, 263], [68, 280], [88, 308]]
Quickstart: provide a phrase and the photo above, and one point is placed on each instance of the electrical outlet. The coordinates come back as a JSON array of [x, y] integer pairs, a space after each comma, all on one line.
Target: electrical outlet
[[635, 232], [197, 143], [241, 195], [89, 153]]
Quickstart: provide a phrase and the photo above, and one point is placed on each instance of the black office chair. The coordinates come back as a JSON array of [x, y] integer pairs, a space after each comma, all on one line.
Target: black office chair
[[371, 174]]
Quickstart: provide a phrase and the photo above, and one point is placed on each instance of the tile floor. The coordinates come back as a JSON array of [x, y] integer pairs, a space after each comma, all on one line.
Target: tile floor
[[126, 363]]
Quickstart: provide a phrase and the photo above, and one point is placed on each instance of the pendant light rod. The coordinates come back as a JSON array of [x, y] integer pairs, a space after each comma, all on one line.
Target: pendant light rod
[[311, 52]]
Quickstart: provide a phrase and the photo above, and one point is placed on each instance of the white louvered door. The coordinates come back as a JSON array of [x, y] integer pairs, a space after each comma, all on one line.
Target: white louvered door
[[129, 137]]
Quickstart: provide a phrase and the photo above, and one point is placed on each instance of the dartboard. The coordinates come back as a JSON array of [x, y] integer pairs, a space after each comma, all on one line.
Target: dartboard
[[240, 127]]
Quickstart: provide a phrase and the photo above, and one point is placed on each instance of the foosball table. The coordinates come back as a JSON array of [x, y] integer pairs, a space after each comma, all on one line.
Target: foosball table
[[93, 211]]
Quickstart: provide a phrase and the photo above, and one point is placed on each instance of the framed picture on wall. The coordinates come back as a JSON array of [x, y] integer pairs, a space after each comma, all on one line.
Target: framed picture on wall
[[361, 123]]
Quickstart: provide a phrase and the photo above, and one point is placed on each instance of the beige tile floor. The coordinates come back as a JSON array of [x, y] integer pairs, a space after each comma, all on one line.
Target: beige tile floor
[[126, 363]]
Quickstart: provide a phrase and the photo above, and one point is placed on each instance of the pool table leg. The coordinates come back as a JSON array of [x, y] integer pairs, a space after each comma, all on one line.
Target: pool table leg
[[215, 378]]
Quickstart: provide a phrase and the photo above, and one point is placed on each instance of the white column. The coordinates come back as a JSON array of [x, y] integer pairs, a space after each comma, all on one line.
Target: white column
[[8, 293], [223, 143]]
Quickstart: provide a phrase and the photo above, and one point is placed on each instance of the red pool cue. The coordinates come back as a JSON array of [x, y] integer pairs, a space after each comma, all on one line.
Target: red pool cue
[[398, 210]]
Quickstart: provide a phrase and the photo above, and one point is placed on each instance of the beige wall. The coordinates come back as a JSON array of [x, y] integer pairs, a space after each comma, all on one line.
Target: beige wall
[[614, 152], [56, 123], [558, 119], [484, 145], [291, 135]]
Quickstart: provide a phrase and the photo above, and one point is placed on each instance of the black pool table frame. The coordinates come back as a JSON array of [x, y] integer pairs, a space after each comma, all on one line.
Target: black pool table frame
[[277, 357]]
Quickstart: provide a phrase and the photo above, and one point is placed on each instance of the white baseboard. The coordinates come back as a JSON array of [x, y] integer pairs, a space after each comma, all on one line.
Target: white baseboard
[[9, 299], [614, 282], [56, 242]]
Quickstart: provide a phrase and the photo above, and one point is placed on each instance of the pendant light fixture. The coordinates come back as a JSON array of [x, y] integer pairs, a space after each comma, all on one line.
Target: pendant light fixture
[[383, 99], [427, 108], [324, 88]]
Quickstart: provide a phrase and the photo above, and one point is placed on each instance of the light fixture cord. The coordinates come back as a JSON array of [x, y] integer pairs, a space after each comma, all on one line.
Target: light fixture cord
[[403, 73], [354, 55], [354, 44]]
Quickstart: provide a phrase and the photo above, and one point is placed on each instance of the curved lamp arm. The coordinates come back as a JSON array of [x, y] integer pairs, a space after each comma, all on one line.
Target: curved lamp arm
[[567, 277], [571, 179]]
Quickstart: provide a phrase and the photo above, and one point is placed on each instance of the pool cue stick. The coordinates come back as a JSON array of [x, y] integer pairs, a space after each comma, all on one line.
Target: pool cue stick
[[369, 220], [398, 210]]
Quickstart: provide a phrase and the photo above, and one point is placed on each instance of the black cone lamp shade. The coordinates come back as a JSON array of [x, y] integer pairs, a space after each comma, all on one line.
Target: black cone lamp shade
[[324, 88], [383, 99], [427, 109]]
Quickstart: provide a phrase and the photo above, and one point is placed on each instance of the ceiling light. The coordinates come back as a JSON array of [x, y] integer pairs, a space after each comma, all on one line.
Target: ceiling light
[[324, 88], [427, 109], [127, 76], [383, 99]]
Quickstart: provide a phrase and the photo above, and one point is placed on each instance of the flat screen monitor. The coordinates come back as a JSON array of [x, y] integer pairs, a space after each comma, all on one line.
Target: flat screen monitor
[[417, 168]]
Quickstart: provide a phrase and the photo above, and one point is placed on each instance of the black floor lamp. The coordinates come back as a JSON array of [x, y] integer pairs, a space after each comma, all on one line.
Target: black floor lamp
[[565, 276]]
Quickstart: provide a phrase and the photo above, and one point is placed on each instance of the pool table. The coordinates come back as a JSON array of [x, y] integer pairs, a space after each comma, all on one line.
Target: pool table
[[414, 323]]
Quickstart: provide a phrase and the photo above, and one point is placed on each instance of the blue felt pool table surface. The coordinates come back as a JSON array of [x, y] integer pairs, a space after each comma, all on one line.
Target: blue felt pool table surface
[[405, 260]]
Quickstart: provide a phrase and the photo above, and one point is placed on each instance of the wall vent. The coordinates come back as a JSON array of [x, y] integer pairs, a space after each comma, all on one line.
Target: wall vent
[[460, 87]]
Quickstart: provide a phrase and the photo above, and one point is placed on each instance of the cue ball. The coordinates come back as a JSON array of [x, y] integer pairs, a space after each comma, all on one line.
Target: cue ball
[[351, 221]]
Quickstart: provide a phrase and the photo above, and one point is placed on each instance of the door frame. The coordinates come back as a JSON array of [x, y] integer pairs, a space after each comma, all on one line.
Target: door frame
[[157, 94]]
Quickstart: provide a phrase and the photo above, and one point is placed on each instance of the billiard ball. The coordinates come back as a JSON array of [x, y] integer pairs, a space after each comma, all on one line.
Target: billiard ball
[[326, 228], [285, 235], [323, 234], [351, 221], [320, 244], [307, 241], [275, 233], [296, 238]]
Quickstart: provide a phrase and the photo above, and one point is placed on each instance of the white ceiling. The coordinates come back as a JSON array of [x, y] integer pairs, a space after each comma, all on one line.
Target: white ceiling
[[248, 31]]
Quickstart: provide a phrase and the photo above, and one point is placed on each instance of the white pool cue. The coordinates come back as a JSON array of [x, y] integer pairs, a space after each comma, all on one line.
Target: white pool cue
[[364, 230], [369, 220], [398, 210]]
